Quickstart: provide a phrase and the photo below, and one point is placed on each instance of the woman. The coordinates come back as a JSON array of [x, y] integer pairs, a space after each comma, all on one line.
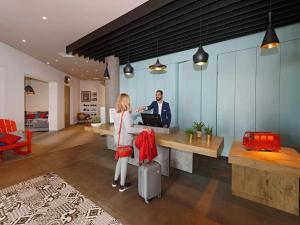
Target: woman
[[123, 137]]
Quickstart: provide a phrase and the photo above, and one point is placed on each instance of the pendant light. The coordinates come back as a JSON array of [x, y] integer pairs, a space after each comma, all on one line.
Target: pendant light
[[200, 57], [157, 66], [106, 72], [128, 69], [67, 79], [28, 89], [270, 39]]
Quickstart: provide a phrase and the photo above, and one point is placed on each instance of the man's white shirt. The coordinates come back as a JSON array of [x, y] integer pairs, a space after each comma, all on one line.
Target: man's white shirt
[[159, 107]]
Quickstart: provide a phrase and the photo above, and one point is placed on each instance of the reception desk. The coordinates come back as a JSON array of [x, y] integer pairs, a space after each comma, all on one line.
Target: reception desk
[[269, 178], [174, 148]]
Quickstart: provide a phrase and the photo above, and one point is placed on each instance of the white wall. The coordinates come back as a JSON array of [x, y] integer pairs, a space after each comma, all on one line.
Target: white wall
[[94, 86], [39, 101], [16, 66]]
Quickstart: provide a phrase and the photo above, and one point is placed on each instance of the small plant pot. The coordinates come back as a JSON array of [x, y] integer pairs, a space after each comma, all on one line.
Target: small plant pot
[[208, 137], [190, 136], [95, 124], [199, 134]]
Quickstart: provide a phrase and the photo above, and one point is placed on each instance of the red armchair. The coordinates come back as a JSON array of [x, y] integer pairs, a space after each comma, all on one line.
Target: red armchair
[[7, 126]]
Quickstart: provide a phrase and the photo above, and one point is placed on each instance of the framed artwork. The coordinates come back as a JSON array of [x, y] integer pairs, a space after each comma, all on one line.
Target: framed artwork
[[85, 96], [94, 96]]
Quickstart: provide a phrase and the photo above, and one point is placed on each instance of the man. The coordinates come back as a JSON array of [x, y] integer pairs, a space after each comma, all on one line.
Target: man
[[160, 107]]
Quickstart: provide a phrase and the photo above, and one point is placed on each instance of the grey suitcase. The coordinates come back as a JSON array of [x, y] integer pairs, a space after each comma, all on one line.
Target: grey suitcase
[[150, 180]]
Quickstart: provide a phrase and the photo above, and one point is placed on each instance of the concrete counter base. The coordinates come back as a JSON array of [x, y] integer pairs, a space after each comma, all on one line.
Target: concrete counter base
[[167, 158]]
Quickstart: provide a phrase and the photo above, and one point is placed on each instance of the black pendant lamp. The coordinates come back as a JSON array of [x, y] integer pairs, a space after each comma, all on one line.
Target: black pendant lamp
[[128, 69], [157, 66], [106, 72], [28, 89], [200, 57], [270, 39]]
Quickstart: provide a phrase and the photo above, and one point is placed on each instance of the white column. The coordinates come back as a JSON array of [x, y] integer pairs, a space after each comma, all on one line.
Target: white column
[[53, 106], [112, 86]]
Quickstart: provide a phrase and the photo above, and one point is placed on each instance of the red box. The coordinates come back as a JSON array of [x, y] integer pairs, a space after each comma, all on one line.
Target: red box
[[261, 141]]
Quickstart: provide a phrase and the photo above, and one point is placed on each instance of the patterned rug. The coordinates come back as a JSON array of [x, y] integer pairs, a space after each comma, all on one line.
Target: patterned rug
[[49, 200]]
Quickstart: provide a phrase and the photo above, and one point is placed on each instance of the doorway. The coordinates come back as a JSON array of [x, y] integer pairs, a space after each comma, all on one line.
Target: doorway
[[36, 104], [67, 106]]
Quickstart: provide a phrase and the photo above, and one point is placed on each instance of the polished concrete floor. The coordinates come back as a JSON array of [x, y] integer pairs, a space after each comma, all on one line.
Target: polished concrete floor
[[82, 160]]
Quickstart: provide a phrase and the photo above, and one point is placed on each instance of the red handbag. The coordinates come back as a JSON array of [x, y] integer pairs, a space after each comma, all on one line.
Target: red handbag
[[122, 151]]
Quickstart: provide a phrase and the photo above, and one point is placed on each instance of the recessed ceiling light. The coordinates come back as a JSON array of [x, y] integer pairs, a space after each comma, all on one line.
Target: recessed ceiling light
[[72, 69], [65, 55], [96, 70], [47, 63], [44, 17], [87, 71], [24, 41], [56, 60], [87, 61]]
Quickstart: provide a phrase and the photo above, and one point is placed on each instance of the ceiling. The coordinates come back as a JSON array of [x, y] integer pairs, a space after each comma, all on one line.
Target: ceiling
[[176, 24], [67, 21]]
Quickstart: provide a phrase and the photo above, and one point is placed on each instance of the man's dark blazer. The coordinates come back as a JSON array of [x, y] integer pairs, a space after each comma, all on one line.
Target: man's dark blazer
[[165, 112]]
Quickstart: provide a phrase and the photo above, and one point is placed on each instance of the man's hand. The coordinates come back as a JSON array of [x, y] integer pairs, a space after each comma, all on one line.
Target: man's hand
[[141, 109]]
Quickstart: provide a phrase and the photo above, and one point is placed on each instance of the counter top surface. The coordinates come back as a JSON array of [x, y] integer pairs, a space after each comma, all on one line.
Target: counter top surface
[[287, 160], [177, 140]]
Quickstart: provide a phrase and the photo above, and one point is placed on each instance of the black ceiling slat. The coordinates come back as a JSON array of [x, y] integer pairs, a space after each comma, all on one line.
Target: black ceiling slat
[[152, 25], [179, 20], [174, 19], [140, 22], [144, 9], [195, 35], [206, 19], [193, 31], [152, 54], [191, 20], [193, 43]]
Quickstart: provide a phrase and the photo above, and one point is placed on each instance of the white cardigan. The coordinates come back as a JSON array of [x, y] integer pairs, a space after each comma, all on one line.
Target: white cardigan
[[127, 131]]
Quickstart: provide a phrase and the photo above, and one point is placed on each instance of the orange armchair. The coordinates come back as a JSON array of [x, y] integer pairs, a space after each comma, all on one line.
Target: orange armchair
[[7, 126]]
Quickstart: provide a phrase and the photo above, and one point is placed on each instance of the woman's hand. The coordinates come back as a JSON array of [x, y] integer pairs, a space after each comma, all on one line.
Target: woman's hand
[[148, 130]]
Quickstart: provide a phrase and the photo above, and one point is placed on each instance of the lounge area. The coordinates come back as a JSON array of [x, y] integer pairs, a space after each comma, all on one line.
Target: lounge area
[[149, 112]]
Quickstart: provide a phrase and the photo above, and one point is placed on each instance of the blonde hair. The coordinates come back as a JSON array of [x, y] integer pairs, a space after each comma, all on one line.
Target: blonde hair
[[123, 103]]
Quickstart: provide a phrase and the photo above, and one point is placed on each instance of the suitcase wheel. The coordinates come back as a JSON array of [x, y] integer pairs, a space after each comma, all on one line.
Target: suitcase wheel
[[146, 201]]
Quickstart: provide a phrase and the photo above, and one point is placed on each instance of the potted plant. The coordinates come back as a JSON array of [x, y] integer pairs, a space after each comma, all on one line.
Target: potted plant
[[198, 127], [208, 131], [190, 133], [96, 121]]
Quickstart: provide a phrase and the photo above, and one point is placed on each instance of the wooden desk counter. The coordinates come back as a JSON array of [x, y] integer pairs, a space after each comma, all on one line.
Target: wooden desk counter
[[270, 178], [176, 140]]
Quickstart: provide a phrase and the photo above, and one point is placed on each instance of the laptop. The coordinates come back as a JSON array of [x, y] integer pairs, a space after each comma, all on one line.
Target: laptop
[[153, 120]]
